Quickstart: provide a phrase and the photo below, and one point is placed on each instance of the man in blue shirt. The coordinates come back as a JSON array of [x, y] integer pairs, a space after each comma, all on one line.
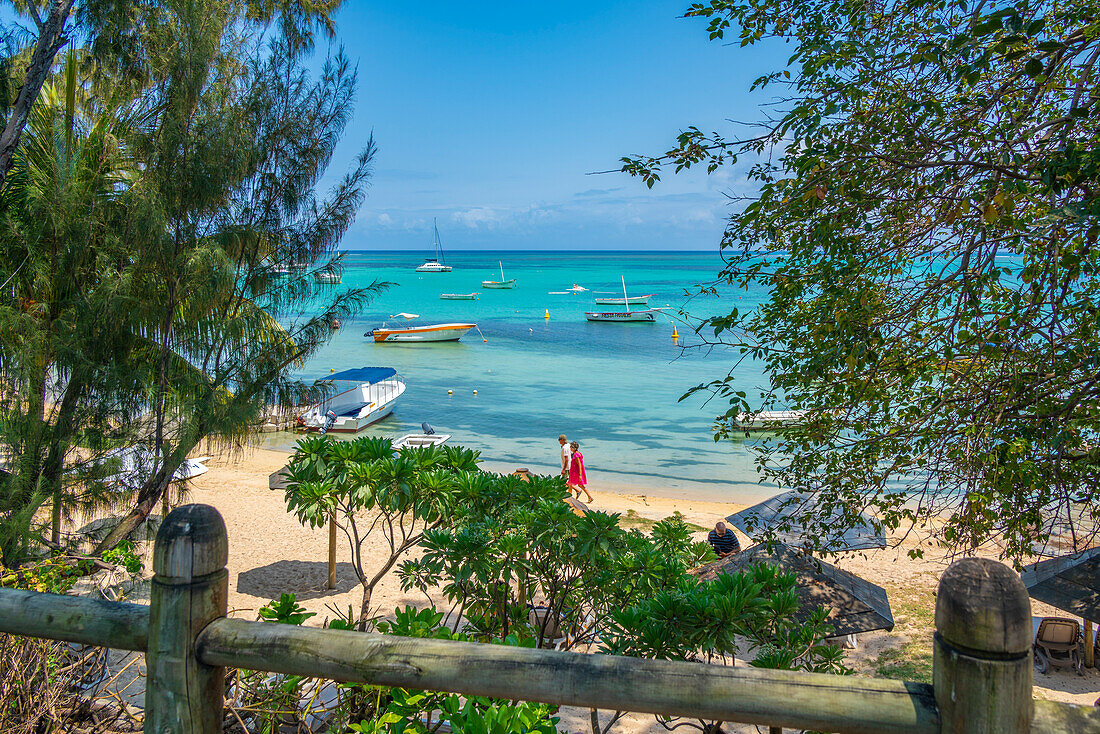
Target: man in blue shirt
[[723, 541]]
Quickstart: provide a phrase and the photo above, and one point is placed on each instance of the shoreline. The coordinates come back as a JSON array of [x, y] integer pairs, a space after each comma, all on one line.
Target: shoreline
[[744, 494]]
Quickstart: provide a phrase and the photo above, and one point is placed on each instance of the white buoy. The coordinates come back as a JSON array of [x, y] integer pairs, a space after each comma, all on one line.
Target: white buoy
[[475, 392], [450, 392]]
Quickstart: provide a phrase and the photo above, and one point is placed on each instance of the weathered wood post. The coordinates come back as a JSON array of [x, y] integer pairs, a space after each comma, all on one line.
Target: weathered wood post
[[190, 590], [981, 664]]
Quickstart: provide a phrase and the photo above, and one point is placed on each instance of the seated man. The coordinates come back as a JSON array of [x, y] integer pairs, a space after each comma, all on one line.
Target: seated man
[[723, 541]]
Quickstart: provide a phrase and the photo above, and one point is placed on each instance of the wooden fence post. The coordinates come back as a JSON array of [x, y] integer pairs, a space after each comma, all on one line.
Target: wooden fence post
[[981, 664], [190, 589]]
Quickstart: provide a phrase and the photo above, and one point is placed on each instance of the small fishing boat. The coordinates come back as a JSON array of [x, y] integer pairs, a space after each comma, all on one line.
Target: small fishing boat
[[625, 301], [427, 333], [502, 283], [363, 396], [327, 277], [459, 296], [580, 289], [766, 420], [648, 315], [435, 264]]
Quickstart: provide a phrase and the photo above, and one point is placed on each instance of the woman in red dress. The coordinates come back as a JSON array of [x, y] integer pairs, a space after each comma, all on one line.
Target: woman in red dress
[[578, 482]]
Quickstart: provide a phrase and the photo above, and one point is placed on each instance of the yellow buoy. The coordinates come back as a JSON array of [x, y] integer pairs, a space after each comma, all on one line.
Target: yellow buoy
[[674, 334], [450, 392], [547, 314], [331, 370], [475, 392]]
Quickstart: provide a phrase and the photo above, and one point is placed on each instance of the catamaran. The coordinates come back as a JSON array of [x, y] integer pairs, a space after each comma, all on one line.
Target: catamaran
[[363, 396], [433, 264], [502, 283], [646, 315]]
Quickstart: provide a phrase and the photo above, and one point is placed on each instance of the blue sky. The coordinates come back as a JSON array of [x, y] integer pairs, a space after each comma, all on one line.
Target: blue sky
[[492, 117]]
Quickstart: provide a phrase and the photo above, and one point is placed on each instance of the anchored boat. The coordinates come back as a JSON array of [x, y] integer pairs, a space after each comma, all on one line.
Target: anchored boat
[[459, 296], [502, 283], [427, 333], [644, 315], [364, 396], [624, 301], [434, 264]]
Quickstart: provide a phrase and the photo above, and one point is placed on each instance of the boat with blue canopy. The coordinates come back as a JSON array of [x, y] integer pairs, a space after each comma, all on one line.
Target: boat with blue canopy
[[361, 396]]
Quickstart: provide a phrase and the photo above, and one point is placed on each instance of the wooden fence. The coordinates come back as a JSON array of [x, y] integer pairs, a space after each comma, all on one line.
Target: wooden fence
[[982, 670]]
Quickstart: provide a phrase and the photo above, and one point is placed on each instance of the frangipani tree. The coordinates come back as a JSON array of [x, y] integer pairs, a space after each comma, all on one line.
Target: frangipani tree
[[369, 491]]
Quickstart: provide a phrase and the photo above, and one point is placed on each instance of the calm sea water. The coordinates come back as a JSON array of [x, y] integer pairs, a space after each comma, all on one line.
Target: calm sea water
[[615, 388]]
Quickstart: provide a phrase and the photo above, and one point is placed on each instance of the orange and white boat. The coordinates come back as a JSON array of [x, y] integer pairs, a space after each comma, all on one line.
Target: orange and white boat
[[426, 333]]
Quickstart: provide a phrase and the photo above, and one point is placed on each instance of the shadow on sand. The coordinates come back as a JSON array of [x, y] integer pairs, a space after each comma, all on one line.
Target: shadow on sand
[[304, 579]]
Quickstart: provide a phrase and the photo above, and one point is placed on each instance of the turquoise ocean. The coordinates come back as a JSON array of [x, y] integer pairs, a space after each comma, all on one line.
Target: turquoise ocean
[[615, 388]]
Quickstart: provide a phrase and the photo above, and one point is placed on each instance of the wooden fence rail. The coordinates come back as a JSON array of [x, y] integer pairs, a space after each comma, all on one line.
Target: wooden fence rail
[[982, 658]]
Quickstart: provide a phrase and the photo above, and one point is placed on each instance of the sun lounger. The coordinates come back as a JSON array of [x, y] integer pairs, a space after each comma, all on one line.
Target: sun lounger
[[1057, 643]]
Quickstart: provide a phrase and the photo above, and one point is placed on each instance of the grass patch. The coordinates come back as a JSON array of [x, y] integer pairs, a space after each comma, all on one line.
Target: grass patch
[[633, 521], [912, 661], [914, 613]]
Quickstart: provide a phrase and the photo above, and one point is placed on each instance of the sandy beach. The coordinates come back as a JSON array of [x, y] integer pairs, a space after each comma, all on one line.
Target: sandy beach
[[270, 553]]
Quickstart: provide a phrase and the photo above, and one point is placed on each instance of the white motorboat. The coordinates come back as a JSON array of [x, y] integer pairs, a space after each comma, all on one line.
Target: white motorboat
[[499, 284], [435, 264], [420, 439], [459, 296], [363, 396], [648, 315], [328, 277], [579, 289], [428, 333]]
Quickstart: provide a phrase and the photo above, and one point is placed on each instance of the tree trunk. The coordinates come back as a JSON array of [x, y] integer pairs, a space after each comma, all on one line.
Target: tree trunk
[[364, 609], [50, 39]]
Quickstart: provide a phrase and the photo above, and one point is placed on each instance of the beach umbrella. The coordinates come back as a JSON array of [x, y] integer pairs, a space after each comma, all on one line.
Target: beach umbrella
[[786, 511], [855, 604], [1070, 583]]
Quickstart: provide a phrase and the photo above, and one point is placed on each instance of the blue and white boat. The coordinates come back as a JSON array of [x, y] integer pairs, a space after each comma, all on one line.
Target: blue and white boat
[[362, 396]]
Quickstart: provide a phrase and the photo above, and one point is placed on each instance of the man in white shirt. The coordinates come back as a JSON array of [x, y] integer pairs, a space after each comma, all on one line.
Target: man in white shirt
[[565, 455]]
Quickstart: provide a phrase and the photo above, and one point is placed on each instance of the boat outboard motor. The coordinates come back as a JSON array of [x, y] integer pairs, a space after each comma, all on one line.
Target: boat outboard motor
[[330, 418], [428, 430]]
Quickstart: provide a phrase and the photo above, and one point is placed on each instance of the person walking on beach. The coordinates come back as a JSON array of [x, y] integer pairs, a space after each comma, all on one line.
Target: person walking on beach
[[723, 541], [578, 481], [565, 453]]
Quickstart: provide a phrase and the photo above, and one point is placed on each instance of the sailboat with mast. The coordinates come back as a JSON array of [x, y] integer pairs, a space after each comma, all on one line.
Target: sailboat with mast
[[435, 264], [502, 283], [648, 315]]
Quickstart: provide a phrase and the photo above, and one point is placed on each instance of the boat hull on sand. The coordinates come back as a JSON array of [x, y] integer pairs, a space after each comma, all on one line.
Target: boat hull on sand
[[623, 316], [430, 333]]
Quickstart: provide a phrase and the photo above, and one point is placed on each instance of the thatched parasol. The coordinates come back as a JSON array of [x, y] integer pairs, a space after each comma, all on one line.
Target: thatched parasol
[[786, 510], [1070, 583], [855, 604]]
